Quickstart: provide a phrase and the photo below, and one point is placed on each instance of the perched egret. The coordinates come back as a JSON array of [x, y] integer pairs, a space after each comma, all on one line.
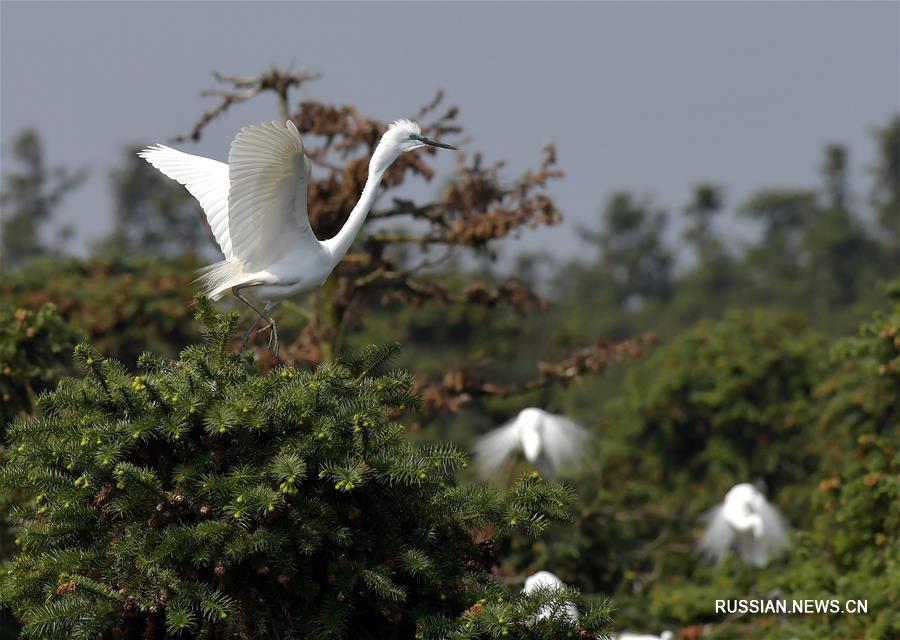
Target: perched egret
[[746, 523], [548, 441], [256, 207], [545, 579], [665, 635]]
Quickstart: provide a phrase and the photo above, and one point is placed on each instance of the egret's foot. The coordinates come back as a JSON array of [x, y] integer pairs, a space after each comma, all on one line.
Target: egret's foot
[[273, 339], [263, 329]]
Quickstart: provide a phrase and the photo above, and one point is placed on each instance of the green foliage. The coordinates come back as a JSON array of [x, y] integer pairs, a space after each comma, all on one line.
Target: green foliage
[[852, 549], [847, 513], [124, 305], [756, 396], [35, 348], [201, 499], [726, 402]]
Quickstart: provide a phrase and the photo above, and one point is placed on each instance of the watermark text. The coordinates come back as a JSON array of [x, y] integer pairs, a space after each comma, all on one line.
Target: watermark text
[[792, 607]]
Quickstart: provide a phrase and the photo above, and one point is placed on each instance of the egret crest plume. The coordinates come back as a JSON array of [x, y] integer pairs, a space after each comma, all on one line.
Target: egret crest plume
[[256, 206], [746, 523]]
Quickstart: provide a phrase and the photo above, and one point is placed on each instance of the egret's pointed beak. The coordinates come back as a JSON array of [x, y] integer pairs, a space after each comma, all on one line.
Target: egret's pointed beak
[[434, 143]]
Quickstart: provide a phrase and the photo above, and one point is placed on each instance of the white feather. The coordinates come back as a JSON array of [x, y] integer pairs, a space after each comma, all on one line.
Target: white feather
[[205, 179], [545, 580], [267, 209], [775, 531], [495, 448], [717, 536], [747, 524], [551, 442], [564, 441], [256, 207], [267, 214]]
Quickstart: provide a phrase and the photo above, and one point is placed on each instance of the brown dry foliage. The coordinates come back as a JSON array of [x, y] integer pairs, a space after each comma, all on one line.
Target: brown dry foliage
[[476, 207], [462, 385]]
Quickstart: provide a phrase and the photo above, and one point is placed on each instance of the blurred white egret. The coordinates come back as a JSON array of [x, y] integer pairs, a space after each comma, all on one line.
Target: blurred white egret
[[746, 523], [547, 440], [545, 579], [665, 635], [256, 207]]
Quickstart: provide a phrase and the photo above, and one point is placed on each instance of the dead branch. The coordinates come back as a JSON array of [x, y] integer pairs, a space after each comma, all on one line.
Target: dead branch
[[462, 385], [243, 88]]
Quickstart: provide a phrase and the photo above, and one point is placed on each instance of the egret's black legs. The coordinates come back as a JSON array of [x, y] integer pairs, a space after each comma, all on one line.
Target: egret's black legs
[[246, 336], [273, 339]]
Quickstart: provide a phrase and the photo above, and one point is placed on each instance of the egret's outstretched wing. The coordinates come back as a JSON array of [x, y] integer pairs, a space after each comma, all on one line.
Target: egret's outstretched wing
[[269, 175], [564, 441], [495, 447], [775, 527], [752, 550], [205, 179], [717, 537]]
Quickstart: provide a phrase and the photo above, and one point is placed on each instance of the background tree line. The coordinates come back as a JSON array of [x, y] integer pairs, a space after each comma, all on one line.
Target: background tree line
[[817, 249]]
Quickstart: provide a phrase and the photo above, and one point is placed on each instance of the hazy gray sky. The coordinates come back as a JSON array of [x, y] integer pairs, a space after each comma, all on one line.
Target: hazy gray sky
[[654, 96]]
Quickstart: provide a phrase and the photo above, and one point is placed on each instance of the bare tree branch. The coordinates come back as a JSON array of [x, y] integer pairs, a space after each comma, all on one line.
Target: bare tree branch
[[275, 80], [462, 385]]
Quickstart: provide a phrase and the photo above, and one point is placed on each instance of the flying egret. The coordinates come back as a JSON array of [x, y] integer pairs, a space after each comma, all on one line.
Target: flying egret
[[665, 635], [545, 579], [547, 440], [256, 207], [747, 523]]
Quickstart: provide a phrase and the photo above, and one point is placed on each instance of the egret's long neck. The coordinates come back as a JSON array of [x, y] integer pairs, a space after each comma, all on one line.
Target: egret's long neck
[[339, 245]]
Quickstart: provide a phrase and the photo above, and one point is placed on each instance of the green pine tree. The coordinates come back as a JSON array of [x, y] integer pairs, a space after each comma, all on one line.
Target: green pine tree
[[201, 499], [35, 349]]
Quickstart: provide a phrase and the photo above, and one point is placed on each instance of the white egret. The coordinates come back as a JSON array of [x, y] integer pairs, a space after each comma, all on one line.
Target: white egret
[[545, 579], [547, 440], [256, 207], [625, 635], [746, 523]]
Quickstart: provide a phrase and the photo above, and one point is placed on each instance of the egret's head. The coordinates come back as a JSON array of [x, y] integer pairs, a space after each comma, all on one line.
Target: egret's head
[[742, 509], [400, 137]]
